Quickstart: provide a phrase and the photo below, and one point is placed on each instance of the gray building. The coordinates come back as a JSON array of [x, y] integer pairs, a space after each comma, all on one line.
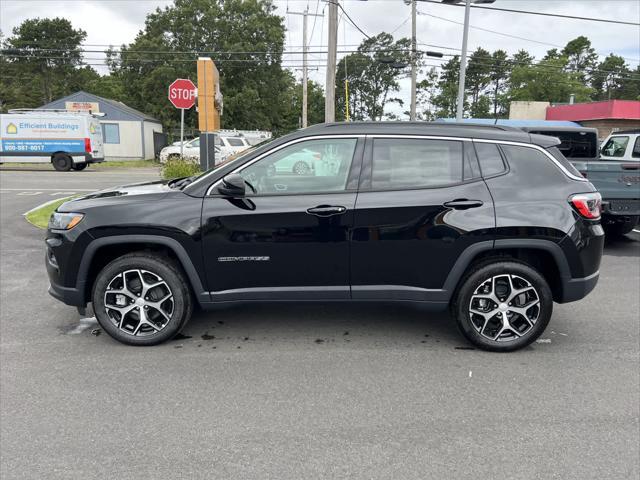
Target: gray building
[[128, 134]]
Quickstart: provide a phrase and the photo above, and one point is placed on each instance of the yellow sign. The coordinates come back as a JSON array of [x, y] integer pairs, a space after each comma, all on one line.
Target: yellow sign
[[209, 96], [93, 107], [12, 129]]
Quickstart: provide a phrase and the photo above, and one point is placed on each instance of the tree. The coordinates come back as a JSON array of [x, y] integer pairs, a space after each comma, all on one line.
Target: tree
[[426, 91], [610, 77], [41, 61], [257, 91], [478, 78], [500, 70], [581, 57], [373, 76], [446, 101], [548, 80]]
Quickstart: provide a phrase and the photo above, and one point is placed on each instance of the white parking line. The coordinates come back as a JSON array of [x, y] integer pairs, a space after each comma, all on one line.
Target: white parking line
[[29, 193]]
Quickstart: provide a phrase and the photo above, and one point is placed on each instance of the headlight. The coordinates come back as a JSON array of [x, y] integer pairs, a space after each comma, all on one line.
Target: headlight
[[64, 221]]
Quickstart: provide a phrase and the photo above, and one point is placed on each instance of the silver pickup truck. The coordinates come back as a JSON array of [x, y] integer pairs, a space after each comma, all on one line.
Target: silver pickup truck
[[614, 170]]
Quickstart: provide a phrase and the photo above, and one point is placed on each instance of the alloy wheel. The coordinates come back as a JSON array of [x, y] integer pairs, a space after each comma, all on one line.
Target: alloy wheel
[[139, 302], [504, 308]]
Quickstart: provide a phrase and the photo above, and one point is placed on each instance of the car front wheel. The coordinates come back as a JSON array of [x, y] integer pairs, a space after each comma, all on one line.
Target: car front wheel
[[503, 306], [142, 299]]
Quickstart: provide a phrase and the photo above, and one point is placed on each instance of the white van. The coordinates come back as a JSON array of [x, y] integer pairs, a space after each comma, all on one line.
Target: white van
[[66, 139]]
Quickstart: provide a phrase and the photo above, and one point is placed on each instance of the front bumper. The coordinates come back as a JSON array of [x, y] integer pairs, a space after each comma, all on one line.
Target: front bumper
[[70, 295]]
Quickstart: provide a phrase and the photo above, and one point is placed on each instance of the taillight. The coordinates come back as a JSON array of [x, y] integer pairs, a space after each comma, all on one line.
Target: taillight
[[588, 205], [87, 145]]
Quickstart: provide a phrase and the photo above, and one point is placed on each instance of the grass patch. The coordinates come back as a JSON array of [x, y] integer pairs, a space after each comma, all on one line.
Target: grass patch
[[125, 164], [40, 216], [107, 164], [179, 168]]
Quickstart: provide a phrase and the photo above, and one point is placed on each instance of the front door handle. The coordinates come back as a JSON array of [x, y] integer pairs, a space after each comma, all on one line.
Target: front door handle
[[326, 210], [463, 204]]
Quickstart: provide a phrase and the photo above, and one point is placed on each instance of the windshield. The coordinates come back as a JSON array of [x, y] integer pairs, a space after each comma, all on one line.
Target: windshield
[[574, 144], [237, 157]]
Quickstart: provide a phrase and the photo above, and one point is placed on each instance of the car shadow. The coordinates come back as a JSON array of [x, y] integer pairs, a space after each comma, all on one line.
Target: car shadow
[[349, 324]]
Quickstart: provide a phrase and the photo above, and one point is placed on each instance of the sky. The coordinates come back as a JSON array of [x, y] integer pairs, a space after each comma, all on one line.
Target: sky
[[114, 22]]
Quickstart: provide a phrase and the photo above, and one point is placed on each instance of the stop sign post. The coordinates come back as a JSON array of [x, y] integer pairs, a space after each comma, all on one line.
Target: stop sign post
[[182, 94]]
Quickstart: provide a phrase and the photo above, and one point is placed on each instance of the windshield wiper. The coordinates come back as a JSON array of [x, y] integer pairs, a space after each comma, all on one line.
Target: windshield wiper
[[180, 183]]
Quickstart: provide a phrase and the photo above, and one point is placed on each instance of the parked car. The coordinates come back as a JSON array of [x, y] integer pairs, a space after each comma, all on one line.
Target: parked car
[[68, 140], [490, 222], [225, 147], [613, 170], [623, 146]]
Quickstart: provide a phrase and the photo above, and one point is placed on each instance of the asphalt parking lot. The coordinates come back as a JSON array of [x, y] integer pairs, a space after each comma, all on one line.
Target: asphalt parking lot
[[308, 391]]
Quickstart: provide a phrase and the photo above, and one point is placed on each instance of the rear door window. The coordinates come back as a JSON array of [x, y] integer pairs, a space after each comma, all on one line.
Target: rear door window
[[415, 163]]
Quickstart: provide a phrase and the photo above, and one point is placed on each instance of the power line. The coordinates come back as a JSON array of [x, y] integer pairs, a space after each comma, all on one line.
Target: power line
[[506, 34], [543, 14], [349, 18]]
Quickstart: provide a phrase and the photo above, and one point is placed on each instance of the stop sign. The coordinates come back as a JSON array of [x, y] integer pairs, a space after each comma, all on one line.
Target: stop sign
[[182, 93]]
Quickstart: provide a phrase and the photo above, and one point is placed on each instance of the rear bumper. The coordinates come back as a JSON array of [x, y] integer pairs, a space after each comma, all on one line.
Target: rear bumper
[[630, 207], [577, 288]]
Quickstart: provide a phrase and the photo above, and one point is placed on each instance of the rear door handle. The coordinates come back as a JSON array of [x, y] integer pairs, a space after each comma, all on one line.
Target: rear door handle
[[463, 204], [326, 210]]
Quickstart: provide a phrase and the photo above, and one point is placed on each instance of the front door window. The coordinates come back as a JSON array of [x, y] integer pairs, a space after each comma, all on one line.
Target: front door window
[[313, 166]]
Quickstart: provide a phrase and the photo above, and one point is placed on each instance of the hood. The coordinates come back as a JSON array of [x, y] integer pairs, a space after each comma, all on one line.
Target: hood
[[146, 191]]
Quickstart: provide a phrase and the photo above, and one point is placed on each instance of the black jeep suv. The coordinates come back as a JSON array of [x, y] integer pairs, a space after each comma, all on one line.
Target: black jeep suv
[[491, 222]]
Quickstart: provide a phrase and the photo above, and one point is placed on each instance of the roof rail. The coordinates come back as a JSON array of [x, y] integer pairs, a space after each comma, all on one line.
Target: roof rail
[[504, 128]]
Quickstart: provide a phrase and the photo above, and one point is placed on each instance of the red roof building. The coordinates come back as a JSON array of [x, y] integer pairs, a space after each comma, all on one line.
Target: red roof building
[[606, 116]]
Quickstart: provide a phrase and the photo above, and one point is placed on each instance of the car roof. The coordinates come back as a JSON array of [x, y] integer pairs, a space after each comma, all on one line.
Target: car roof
[[462, 130]]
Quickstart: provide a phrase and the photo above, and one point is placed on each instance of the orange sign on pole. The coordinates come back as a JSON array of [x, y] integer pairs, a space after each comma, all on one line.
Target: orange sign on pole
[[209, 96]]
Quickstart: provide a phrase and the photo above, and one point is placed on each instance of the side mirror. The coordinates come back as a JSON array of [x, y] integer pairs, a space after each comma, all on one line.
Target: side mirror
[[233, 185]]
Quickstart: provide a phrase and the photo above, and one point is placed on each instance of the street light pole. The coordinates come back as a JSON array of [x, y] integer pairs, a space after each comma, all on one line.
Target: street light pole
[[414, 68], [463, 63], [330, 83]]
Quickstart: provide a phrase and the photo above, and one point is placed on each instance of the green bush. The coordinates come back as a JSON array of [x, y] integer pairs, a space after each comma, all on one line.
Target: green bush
[[179, 168]]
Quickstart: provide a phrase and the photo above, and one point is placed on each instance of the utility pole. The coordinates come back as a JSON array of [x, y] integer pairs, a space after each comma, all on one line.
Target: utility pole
[[305, 48], [463, 63], [330, 83], [414, 67]]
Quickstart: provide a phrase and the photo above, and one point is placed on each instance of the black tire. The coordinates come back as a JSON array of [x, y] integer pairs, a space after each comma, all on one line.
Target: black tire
[[163, 268], [62, 162], [173, 157], [520, 332], [301, 168], [80, 166]]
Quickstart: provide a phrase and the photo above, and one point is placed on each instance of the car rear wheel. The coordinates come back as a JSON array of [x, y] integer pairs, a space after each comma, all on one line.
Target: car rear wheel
[[142, 299], [503, 306], [62, 162]]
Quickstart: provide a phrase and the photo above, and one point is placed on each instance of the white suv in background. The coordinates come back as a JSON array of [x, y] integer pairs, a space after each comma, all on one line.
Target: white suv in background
[[225, 146]]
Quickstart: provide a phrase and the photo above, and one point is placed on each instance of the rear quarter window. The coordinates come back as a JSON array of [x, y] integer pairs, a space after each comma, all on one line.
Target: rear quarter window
[[490, 158], [557, 154]]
